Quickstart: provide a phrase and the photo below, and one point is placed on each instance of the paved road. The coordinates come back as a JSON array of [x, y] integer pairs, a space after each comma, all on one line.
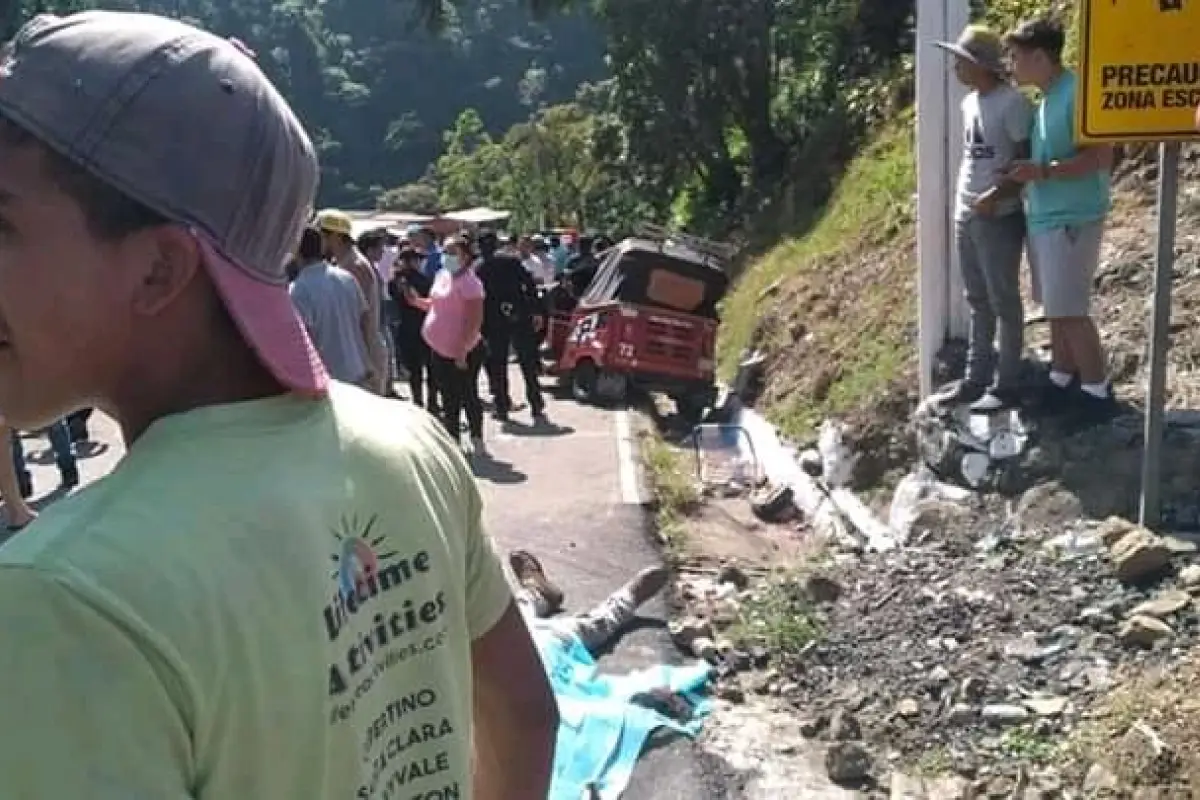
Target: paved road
[[572, 498], [569, 494]]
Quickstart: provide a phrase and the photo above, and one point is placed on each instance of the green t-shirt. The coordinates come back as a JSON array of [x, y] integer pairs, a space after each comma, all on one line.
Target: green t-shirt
[[271, 600]]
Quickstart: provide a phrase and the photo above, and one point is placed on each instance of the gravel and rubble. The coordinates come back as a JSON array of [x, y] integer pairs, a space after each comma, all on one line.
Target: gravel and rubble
[[974, 651]]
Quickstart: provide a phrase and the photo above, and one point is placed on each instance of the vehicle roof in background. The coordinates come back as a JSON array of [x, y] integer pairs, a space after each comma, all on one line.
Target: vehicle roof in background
[[647, 272]]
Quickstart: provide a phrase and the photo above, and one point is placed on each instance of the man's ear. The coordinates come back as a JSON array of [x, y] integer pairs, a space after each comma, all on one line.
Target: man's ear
[[171, 258]]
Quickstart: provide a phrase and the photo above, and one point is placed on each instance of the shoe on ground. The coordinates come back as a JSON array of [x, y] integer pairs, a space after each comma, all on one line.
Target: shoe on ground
[[1092, 410], [963, 392], [531, 575], [648, 583], [996, 400], [1055, 400]]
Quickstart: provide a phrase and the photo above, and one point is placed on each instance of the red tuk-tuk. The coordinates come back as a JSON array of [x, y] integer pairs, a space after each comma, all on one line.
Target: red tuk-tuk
[[647, 320]]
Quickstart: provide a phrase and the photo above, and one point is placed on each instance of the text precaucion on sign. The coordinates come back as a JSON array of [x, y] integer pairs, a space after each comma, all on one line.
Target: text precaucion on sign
[[1139, 72]]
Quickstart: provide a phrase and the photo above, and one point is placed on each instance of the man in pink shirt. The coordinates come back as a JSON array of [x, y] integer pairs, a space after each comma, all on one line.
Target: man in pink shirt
[[453, 332]]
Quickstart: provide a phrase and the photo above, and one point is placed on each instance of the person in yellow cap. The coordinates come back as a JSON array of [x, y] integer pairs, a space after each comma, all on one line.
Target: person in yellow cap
[[337, 240]]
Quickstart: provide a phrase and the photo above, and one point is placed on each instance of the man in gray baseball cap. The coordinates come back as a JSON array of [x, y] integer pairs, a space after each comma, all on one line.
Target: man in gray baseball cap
[[989, 228], [273, 595]]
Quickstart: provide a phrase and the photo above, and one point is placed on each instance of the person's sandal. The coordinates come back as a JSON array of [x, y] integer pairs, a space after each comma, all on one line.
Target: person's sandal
[[530, 574]]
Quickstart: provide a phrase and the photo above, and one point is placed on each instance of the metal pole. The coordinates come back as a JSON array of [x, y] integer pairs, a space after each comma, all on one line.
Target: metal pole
[[1164, 265]]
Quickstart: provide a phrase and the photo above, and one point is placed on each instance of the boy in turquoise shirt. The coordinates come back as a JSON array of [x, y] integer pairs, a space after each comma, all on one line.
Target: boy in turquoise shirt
[[1067, 200]]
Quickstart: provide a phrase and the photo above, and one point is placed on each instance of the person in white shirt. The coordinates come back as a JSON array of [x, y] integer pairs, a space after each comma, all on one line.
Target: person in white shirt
[[535, 255]]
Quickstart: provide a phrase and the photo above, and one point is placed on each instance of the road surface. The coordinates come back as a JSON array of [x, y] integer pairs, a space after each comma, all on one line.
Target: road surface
[[572, 495], [569, 493]]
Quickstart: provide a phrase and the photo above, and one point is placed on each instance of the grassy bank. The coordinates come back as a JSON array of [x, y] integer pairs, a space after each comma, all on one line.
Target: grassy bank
[[835, 309]]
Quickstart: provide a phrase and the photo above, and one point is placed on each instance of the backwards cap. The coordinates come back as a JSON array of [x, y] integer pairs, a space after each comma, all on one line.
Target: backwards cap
[[185, 123]]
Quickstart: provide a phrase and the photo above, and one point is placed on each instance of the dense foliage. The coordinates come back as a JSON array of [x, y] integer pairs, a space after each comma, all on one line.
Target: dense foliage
[[374, 84], [722, 115]]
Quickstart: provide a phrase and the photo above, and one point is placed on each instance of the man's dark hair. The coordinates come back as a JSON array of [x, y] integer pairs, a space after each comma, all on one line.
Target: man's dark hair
[[488, 243], [110, 214], [1043, 34], [371, 239], [310, 245]]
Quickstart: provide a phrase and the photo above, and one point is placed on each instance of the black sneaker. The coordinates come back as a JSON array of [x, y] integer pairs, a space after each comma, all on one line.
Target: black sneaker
[[1054, 399], [1092, 410]]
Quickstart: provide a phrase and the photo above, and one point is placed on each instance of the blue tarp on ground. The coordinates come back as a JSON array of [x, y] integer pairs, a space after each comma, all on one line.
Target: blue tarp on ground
[[602, 733]]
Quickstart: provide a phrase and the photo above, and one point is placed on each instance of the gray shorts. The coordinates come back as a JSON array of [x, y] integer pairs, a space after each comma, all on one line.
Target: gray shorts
[[1063, 263]]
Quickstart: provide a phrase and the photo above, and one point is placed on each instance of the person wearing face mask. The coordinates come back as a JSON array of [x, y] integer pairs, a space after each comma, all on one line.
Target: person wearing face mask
[[452, 329]]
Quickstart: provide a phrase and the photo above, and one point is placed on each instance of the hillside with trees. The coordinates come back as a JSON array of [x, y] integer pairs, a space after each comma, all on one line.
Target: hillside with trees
[[377, 82]]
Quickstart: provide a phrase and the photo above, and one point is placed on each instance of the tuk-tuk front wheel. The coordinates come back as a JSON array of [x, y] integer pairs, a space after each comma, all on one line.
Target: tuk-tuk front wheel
[[590, 384], [584, 379]]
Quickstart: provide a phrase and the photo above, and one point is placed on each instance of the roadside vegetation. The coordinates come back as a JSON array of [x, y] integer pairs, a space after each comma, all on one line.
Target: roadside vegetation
[[673, 490], [834, 305]]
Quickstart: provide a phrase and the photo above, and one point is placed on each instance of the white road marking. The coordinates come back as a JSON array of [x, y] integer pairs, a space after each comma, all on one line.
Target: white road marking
[[627, 465]]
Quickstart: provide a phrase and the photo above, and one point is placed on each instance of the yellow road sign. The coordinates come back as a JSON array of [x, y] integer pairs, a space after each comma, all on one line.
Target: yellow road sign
[[1140, 70]]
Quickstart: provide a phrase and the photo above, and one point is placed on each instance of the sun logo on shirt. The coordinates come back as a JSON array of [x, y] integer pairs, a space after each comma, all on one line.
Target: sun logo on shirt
[[356, 560]]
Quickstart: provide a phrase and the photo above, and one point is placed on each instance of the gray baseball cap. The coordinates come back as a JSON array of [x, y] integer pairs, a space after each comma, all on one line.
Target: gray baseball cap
[[979, 45], [185, 123]]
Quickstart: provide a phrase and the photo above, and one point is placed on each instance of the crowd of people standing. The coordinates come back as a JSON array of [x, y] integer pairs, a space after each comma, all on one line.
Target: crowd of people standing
[[389, 306]]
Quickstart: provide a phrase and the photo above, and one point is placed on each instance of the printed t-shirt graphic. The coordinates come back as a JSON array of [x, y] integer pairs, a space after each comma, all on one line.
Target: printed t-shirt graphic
[[272, 599]]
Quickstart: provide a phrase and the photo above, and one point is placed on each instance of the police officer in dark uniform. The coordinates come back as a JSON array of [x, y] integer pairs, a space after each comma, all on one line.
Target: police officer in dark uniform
[[411, 350], [512, 315]]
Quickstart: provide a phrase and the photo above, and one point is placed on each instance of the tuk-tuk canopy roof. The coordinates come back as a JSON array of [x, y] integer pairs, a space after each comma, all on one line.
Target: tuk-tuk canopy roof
[[662, 274]]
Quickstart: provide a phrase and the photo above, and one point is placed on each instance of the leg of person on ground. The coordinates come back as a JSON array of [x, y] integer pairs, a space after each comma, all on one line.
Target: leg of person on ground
[[525, 342], [64, 453], [599, 626], [499, 339], [11, 488], [999, 244]]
